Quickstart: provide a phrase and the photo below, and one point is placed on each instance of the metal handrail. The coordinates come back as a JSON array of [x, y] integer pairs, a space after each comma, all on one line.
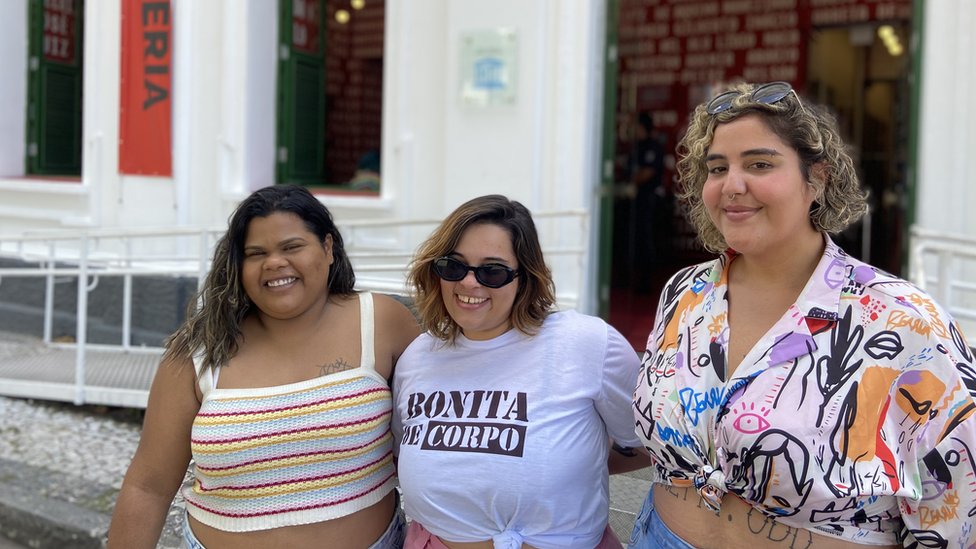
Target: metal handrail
[[954, 257], [86, 255]]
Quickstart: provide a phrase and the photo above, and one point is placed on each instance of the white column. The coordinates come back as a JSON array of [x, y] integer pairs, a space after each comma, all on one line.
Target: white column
[[946, 194]]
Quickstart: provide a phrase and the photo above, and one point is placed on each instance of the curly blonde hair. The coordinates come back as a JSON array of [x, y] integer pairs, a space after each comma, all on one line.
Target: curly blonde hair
[[809, 129], [536, 291]]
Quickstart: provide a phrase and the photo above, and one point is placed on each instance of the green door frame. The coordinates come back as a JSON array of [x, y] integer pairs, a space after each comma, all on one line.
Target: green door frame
[[915, 98], [605, 235], [54, 98], [301, 103]]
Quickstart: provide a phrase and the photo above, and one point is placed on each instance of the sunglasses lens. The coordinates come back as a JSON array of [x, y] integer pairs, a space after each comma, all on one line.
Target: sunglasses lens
[[773, 92], [494, 276], [721, 102], [450, 269], [491, 275]]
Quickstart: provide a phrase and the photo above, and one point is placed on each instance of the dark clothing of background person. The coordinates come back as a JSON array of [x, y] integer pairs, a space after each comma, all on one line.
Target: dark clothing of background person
[[653, 210]]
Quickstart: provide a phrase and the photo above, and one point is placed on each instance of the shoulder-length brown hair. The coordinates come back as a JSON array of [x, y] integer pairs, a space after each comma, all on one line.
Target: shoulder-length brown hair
[[808, 128], [536, 293]]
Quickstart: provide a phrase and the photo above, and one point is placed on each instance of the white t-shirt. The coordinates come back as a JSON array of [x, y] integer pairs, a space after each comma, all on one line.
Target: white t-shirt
[[506, 439]]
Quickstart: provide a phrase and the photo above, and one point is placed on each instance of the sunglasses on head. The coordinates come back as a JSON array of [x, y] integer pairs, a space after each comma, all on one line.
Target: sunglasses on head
[[490, 275], [767, 94]]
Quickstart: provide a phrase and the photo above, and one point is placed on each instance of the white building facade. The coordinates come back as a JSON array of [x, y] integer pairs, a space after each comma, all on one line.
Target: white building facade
[[537, 136]]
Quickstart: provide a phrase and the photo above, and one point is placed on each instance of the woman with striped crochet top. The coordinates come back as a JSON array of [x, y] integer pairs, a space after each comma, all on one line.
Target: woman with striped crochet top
[[277, 387]]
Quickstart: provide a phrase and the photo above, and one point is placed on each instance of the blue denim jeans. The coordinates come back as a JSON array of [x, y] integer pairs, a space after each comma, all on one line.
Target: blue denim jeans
[[650, 532], [392, 538]]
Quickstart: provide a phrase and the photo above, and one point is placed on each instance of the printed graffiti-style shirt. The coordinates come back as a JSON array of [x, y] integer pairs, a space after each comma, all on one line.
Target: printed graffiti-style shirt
[[851, 417], [506, 439]]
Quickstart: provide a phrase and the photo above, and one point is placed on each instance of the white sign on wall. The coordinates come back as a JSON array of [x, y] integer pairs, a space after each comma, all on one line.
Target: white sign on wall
[[489, 67]]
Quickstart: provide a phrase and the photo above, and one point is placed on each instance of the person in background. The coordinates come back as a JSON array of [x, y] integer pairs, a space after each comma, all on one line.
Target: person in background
[[653, 204], [277, 386], [505, 410], [791, 395], [367, 176]]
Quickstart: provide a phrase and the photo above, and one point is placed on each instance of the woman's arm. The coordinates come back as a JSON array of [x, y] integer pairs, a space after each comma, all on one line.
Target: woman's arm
[[625, 460], [615, 405], [941, 515], [160, 462], [931, 427], [396, 327]]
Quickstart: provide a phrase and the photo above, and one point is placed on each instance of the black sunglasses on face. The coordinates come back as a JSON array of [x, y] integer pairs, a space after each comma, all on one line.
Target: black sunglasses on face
[[490, 275], [767, 94]]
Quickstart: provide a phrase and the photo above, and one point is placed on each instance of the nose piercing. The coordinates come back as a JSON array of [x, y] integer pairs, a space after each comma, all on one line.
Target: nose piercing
[[732, 196]]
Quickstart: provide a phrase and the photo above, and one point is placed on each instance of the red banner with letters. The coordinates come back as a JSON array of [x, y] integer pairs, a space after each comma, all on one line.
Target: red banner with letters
[[145, 127]]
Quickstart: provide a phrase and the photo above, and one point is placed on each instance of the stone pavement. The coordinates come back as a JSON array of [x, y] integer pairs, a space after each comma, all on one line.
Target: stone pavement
[[61, 467], [8, 544]]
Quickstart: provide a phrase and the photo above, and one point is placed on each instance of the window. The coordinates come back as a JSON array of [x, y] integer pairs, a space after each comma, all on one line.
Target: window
[[54, 85], [330, 82]]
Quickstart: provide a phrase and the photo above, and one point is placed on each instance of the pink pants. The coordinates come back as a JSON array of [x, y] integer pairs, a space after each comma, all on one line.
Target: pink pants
[[419, 538]]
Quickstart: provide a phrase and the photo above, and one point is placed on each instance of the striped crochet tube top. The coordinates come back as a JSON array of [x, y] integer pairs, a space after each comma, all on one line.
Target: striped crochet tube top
[[293, 454]]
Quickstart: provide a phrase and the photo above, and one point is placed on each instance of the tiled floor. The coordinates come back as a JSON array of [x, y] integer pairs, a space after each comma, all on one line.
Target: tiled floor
[[632, 315], [632, 312]]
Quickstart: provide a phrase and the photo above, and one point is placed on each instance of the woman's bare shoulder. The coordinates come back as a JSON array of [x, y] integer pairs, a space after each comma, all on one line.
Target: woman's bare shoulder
[[393, 316], [393, 304]]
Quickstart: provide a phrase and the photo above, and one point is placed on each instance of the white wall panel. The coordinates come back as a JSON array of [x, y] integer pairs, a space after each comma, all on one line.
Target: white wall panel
[[946, 194], [13, 91]]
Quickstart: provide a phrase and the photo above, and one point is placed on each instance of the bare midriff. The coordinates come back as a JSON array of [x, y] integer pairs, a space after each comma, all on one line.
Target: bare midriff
[[360, 529], [738, 525]]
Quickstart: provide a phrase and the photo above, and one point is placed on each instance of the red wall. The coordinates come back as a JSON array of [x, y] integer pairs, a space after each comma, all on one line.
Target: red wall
[[675, 54]]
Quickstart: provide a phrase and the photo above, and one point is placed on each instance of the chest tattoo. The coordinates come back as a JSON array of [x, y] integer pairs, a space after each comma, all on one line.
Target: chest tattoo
[[338, 365]]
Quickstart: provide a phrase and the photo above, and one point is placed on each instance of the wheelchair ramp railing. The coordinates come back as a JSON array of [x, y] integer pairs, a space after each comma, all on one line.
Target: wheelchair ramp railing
[[65, 268], [944, 265]]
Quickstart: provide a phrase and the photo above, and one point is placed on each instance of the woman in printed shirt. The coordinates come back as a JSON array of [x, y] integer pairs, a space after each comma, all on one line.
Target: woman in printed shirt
[[276, 386], [791, 395]]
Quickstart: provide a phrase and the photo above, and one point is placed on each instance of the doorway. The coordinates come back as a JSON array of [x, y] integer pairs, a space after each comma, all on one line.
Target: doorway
[[330, 82], [862, 73], [854, 69]]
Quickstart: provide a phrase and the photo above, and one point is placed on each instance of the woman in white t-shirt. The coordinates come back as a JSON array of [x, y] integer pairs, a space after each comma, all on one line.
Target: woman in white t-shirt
[[505, 411]]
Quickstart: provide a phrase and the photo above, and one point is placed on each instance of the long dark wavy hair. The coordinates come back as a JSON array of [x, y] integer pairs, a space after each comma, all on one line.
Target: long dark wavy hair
[[536, 293], [212, 327]]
